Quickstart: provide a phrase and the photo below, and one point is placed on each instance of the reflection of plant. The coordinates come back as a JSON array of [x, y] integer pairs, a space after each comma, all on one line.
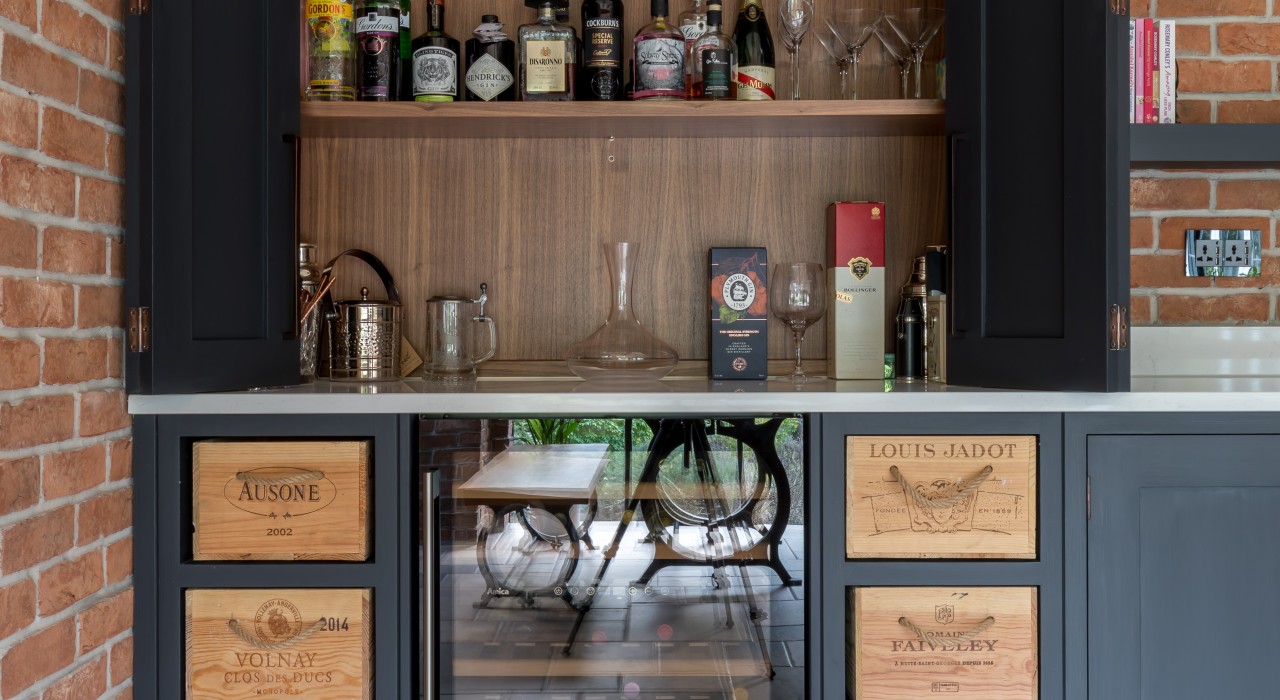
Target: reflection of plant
[[552, 431]]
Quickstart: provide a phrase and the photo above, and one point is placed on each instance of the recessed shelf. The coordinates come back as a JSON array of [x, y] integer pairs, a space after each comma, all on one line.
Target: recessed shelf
[[1204, 145], [623, 119]]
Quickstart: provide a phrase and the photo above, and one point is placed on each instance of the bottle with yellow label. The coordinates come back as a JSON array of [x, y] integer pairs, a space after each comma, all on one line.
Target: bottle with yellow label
[[755, 53], [548, 53], [331, 56]]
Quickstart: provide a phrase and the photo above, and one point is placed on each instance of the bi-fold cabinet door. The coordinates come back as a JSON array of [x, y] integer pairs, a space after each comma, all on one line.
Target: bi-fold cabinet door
[[943, 547], [1183, 562]]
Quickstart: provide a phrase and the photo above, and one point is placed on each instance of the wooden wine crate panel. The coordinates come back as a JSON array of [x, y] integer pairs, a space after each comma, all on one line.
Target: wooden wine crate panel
[[941, 496], [928, 643], [280, 500], [528, 216], [249, 643]]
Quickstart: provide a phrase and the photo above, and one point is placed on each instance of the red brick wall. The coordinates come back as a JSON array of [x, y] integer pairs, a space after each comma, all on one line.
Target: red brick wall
[[66, 598], [1228, 71], [458, 448]]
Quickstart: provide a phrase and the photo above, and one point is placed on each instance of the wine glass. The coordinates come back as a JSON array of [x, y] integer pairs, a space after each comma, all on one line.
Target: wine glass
[[854, 28], [839, 53], [798, 297], [917, 27], [900, 52], [796, 16]]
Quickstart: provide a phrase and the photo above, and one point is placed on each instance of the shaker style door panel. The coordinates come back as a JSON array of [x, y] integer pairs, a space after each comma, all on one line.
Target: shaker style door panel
[[1182, 566], [211, 181], [1039, 196]]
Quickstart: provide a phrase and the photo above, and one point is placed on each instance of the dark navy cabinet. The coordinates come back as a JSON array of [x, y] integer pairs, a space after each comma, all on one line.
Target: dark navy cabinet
[[1182, 559]]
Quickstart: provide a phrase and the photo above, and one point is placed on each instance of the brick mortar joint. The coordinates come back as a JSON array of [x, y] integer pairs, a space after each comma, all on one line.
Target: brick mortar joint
[[71, 612], [10, 27], [39, 687], [44, 507], [78, 169]]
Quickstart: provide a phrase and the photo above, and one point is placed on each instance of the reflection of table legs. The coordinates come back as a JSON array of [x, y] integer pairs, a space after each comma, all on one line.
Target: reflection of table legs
[[506, 574]]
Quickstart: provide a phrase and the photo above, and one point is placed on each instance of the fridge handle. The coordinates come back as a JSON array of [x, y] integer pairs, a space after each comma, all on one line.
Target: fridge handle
[[430, 618]]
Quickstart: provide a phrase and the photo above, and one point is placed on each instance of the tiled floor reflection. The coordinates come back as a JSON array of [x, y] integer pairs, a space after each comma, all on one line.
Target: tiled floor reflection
[[685, 636]]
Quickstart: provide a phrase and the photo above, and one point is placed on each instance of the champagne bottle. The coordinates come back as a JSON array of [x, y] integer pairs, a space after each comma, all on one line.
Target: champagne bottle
[[755, 53], [602, 49]]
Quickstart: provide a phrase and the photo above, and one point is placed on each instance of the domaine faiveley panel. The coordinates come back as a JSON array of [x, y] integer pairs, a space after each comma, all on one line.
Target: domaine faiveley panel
[[940, 496], [979, 643]]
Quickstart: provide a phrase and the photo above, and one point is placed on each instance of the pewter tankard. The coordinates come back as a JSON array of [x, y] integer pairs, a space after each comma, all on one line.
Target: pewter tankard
[[452, 326]]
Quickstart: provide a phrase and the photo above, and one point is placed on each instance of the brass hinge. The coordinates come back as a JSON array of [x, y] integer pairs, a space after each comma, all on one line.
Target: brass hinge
[[1088, 498], [139, 329], [1119, 327], [1120, 7], [139, 7]]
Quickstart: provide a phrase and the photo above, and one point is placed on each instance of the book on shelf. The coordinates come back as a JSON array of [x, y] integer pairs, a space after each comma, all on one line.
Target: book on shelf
[[1153, 71]]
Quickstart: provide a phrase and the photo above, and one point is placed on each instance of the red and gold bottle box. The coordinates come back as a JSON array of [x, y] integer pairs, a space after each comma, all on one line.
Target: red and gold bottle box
[[855, 272], [739, 308]]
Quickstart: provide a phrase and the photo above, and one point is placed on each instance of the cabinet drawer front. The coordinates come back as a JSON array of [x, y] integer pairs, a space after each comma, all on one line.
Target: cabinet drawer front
[[940, 496], [313, 642], [918, 643], [280, 500]]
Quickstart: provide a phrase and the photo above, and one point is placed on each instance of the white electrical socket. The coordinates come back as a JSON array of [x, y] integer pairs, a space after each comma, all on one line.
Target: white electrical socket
[[1208, 253], [1237, 253]]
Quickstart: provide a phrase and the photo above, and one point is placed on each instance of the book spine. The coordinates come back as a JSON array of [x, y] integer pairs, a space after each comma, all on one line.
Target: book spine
[[1168, 72], [1142, 74], [1152, 79], [1132, 68]]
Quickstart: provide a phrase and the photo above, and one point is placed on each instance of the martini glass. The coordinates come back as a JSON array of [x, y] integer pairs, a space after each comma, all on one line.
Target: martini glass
[[855, 28], [798, 297], [838, 53], [900, 52], [918, 27], [796, 16]]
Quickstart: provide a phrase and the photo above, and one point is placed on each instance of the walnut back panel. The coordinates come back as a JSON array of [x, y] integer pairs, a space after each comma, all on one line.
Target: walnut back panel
[[529, 216]]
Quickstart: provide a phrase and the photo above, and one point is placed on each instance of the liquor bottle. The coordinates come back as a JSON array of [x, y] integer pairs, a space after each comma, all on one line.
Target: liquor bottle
[[435, 60], [602, 49], [491, 63], [693, 24], [378, 39], [659, 56], [331, 57], [405, 89], [755, 53], [714, 61], [547, 62]]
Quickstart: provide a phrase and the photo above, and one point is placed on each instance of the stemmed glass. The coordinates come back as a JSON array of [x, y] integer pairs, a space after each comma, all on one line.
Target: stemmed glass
[[900, 52], [796, 16], [854, 28], [918, 27], [838, 53], [798, 297]]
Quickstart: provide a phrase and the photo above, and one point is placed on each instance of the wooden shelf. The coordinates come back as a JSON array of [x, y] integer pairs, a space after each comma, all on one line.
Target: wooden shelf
[[1204, 145], [623, 119]]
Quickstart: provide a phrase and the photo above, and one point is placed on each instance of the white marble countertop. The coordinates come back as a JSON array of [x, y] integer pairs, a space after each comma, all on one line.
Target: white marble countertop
[[572, 397]]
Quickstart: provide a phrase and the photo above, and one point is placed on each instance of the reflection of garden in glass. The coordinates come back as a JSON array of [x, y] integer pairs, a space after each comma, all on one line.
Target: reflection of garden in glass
[[677, 484]]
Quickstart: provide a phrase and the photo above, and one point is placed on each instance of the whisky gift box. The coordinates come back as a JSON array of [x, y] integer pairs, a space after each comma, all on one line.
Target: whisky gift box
[[940, 496], [976, 643], [855, 272], [280, 500], [739, 347], [315, 643]]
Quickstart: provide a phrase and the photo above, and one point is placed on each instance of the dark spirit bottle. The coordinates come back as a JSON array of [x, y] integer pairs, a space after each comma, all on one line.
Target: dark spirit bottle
[[435, 60], [406, 52], [714, 61], [659, 58], [602, 50], [547, 61], [755, 53], [491, 63], [378, 57]]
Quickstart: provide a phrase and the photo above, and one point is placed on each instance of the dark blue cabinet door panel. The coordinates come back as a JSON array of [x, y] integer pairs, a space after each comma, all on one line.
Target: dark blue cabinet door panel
[[1183, 566], [212, 117]]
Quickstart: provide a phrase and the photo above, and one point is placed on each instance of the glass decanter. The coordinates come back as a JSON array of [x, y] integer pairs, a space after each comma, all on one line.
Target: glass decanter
[[621, 349]]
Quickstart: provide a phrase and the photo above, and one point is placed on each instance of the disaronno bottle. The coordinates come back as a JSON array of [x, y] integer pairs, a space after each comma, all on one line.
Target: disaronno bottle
[[491, 63], [435, 60], [547, 48]]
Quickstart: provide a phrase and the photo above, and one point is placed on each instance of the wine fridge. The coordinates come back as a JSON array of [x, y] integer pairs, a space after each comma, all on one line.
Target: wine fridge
[[586, 559]]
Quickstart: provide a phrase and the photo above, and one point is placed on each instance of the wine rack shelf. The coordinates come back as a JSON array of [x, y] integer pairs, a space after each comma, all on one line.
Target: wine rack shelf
[[624, 119]]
